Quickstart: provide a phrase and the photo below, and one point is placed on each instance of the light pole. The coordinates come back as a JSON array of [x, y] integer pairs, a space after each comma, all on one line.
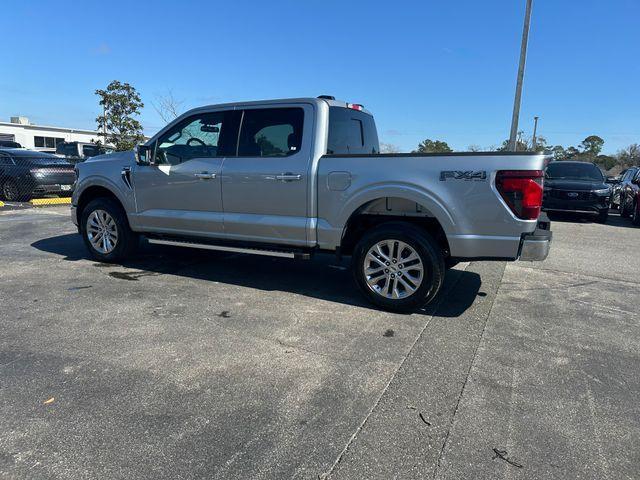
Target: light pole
[[535, 129], [523, 60]]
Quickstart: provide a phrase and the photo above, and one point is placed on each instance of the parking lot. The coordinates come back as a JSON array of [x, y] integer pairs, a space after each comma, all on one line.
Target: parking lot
[[192, 364]]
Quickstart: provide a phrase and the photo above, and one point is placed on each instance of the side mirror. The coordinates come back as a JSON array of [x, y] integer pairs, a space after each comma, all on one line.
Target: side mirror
[[143, 155]]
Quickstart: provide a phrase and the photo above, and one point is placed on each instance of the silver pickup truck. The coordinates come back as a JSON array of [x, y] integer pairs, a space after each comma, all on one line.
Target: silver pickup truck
[[292, 177]]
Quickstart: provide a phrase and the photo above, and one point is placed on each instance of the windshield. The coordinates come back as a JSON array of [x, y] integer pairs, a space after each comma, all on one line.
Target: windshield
[[574, 171]]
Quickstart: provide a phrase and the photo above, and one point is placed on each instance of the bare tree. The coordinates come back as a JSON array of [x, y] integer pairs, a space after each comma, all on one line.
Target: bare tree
[[474, 148], [167, 106], [389, 148]]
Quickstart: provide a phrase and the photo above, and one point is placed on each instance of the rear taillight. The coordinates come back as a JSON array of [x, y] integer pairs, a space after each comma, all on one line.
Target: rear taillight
[[522, 191], [355, 106]]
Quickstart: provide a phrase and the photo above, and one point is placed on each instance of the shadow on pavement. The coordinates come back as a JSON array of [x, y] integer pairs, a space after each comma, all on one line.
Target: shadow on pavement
[[323, 277], [614, 220]]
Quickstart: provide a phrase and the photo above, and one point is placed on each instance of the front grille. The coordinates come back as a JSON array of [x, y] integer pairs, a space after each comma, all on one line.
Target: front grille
[[564, 195]]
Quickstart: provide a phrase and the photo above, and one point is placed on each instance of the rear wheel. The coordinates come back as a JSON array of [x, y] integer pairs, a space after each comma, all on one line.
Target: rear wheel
[[105, 231], [398, 267]]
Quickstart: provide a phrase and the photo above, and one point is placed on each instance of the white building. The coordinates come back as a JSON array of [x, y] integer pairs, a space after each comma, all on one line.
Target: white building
[[41, 138]]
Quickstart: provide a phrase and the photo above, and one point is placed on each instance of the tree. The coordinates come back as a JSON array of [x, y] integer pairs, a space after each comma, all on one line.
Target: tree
[[629, 156], [121, 103], [592, 145], [474, 148], [389, 148], [167, 106], [433, 146]]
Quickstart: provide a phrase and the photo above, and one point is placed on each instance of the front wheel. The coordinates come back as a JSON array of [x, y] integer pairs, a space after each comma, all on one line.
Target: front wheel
[[602, 216], [105, 231], [624, 213], [398, 267], [11, 192], [636, 214]]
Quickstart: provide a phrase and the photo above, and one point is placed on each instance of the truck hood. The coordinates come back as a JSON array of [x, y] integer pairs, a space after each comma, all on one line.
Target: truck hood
[[576, 185], [116, 157]]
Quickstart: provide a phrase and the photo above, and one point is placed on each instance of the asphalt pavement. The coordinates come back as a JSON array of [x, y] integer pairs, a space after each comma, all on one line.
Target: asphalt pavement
[[191, 364]]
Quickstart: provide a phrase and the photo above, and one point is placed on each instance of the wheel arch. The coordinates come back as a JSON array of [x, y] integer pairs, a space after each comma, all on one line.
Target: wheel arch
[[391, 209], [96, 191]]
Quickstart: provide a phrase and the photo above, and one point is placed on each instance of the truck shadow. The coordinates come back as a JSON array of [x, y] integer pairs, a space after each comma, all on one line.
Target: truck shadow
[[323, 277]]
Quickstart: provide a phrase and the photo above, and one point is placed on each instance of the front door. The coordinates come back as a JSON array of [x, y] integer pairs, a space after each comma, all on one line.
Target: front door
[[265, 187], [181, 192]]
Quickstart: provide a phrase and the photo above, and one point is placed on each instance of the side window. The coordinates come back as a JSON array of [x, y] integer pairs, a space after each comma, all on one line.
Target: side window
[[90, 151], [205, 135], [351, 131], [38, 142], [70, 150], [271, 132]]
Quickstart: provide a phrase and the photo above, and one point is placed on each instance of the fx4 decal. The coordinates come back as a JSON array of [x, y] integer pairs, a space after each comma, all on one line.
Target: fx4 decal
[[463, 175]]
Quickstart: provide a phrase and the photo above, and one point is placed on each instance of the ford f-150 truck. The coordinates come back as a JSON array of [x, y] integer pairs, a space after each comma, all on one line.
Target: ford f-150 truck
[[296, 176]]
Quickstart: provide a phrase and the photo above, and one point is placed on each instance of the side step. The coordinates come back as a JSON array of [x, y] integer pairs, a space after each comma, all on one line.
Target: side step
[[225, 248]]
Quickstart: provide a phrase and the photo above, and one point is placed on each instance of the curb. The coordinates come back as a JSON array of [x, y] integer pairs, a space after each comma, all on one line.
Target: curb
[[43, 202]]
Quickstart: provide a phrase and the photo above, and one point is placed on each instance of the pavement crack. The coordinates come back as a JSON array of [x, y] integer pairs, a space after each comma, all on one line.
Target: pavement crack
[[466, 379], [353, 437]]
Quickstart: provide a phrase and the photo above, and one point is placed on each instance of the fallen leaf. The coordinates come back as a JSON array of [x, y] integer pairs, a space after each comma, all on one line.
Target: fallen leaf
[[47, 402]]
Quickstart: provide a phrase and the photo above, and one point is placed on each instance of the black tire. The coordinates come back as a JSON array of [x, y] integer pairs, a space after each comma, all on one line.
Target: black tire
[[602, 216], [635, 218], [418, 240], [624, 213], [127, 240], [11, 192]]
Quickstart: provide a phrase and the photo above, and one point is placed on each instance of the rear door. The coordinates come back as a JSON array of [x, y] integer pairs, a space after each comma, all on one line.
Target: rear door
[[265, 187], [181, 193]]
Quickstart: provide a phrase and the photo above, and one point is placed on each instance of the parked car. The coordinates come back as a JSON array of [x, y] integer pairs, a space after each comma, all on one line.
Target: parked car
[[79, 151], [619, 184], [292, 177], [27, 173], [577, 188], [9, 144], [629, 196]]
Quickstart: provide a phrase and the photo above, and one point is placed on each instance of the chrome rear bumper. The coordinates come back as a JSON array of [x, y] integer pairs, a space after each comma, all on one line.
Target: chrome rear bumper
[[535, 246]]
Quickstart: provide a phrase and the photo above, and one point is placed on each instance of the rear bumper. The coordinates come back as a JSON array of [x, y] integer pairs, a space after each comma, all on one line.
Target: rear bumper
[[535, 246]]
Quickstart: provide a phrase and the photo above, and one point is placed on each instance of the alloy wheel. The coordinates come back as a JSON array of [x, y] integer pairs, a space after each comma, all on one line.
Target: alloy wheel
[[102, 231], [393, 269], [10, 191]]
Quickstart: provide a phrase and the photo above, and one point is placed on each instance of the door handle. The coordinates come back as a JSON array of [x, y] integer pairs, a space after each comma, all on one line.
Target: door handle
[[205, 175], [288, 177]]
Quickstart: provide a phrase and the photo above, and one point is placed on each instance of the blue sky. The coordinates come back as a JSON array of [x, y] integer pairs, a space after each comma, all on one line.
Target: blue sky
[[426, 69]]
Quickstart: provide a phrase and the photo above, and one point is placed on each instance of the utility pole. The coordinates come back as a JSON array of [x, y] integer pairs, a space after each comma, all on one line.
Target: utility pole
[[535, 129], [523, 60]]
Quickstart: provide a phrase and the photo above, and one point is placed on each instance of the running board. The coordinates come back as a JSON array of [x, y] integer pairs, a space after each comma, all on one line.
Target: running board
[[224, 248]]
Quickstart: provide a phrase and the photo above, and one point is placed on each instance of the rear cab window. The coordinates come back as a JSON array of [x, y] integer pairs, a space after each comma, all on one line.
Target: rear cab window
[[271, 132], [351, 132]]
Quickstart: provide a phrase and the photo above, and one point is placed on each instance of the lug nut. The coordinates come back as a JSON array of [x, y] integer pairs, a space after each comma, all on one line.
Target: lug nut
[[400, 265], [386, 263], [386, 270], [393, 276], [393, 261]]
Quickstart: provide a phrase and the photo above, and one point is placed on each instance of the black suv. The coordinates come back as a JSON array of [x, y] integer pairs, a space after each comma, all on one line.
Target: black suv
[[26, 173], [78, 151], [576, 187], [629, 196], [624, 179]]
